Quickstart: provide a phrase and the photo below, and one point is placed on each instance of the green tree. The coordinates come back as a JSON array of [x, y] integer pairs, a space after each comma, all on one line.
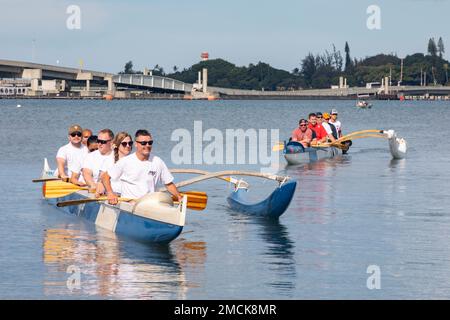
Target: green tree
[[432, 48], [128, 67], [348, 59], [440, 47]]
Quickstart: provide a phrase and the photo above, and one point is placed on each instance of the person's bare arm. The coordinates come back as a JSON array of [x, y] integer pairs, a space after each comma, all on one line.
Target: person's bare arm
[[174, 191], [74, 179], [106, 180], [61, 172], [88, 177]]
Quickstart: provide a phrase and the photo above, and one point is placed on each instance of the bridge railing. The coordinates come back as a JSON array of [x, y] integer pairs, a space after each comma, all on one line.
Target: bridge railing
[[152, 82]]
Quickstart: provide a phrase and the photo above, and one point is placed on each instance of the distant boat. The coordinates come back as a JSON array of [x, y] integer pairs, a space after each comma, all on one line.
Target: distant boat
[[363, 104]]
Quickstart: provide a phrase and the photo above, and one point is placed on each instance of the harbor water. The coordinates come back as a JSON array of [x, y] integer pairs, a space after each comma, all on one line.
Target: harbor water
[[360, 226]]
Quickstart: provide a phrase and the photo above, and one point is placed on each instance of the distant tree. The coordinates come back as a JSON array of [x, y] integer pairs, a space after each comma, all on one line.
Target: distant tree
[[348, 59], [309, 68], [432, 48], [175, 69], [440, 47], [337, 59], [128, 67], [296, 71]]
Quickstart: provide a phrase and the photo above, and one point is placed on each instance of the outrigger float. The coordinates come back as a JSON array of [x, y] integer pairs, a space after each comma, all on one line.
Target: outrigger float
[[296, 154], [156, 218]]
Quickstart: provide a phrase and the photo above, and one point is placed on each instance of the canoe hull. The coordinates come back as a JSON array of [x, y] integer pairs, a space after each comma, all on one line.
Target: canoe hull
[[311, 155], [272, 207], [121, 220]]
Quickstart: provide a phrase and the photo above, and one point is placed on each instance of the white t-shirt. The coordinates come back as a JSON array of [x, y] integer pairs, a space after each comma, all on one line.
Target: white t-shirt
[[73, 156], [97, 162], [139, 177], [327, 127], [115, 184], [338, 126]]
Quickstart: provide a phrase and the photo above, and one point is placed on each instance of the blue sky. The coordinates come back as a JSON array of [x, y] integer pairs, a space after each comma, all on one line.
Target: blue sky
[[175, 32]]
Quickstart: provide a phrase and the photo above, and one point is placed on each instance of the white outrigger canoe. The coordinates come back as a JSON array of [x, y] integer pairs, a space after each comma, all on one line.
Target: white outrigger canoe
[[153, 218]]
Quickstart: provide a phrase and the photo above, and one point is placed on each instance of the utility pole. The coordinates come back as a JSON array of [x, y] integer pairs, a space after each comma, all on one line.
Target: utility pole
[[390, 76], [33, 49], [401, 74], [421, 77]]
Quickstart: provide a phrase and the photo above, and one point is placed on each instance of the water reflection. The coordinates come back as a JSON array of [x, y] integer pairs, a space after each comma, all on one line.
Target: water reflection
[[316, 191], [117, 268], [279, 256]]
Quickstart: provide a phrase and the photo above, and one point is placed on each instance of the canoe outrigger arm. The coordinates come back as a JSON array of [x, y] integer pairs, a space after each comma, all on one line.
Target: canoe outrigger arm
[[205, 175]]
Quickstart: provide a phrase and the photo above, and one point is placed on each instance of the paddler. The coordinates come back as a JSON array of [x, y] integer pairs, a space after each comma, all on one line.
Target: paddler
[[71, 155], [302, 134], [320, 135], [139, 172]]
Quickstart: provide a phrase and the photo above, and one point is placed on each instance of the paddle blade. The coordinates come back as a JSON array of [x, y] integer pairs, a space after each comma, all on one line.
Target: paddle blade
[[278, 147], [58, 189], [197, 200]]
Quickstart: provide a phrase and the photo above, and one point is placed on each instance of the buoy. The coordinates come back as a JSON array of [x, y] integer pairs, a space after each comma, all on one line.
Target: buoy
[[19, 106], [108, 97]]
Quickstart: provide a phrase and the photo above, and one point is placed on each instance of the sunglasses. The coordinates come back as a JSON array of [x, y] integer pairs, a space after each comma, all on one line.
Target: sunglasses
[[125, 144], [73, 134], [303, 124], [103, 141], [143, 143]]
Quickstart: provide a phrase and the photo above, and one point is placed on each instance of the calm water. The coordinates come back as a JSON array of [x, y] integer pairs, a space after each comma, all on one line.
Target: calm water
[[348, 213]]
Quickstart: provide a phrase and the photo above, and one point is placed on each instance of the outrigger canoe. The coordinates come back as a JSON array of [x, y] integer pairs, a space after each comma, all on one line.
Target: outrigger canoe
[[152, 219], [295, 153]]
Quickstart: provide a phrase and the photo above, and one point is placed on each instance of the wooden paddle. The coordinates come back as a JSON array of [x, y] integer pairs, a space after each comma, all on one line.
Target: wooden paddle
[[197, 200], [58, 189], [50, 179], [278, 147]]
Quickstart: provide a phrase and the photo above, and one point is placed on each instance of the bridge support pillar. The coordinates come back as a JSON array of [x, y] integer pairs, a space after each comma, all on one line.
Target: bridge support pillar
[[111, 86], [88, 85]]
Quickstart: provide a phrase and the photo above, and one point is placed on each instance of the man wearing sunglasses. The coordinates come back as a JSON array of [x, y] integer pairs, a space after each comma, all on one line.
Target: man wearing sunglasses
[[70, 156], [139, 172], [302, 134], [101, 158]]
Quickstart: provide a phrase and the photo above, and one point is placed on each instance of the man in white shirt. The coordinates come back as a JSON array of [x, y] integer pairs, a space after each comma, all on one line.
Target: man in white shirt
[[334, 121], [103, 158], [72, 154], [327, 127], [139, 172]]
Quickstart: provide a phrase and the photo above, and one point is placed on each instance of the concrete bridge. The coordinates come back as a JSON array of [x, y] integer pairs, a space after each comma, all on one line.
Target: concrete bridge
[[37, 74]]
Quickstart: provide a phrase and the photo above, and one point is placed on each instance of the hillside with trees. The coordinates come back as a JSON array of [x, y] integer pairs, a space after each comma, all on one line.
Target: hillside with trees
[[321, 70]]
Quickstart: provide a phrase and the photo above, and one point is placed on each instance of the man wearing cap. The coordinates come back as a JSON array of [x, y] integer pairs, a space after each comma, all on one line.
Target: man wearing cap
[[302, 134], [334, 121], [72, 154], [329, 128]]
